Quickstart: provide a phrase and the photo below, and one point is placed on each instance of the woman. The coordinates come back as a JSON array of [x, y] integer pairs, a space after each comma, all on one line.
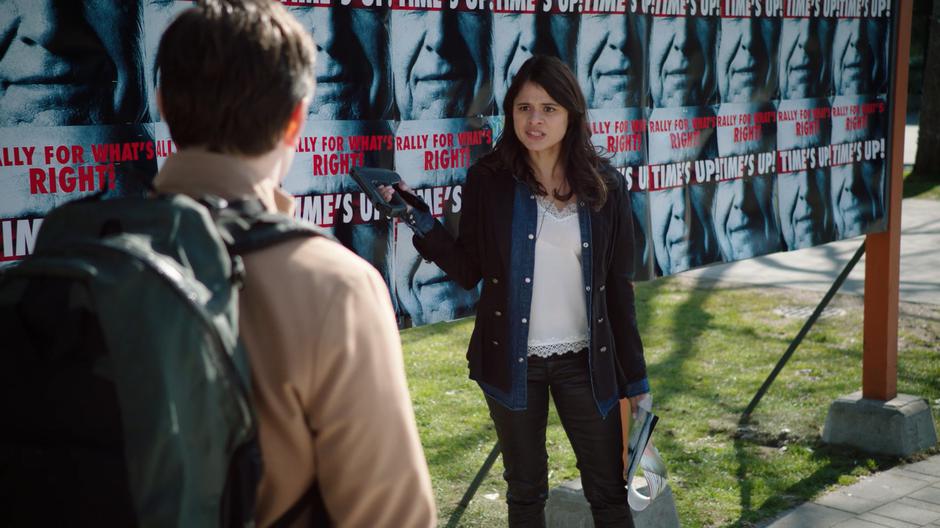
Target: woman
[[546, 224]]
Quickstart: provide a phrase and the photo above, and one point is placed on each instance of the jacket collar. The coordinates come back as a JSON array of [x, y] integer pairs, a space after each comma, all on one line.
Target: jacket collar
[[196, 173]]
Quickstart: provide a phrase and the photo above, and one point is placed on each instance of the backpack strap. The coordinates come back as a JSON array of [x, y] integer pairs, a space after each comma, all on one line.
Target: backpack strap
[[246, 226]]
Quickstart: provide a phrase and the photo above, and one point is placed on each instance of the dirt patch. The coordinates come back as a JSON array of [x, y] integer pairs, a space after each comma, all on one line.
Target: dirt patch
[[919, 324]]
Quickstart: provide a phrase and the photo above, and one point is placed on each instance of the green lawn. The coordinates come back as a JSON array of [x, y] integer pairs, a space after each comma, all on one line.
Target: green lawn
[[708, 351], [921, 187]]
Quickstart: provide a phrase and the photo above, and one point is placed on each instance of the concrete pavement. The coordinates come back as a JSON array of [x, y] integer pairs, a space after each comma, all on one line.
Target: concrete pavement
[[901, 497], [816, 268]]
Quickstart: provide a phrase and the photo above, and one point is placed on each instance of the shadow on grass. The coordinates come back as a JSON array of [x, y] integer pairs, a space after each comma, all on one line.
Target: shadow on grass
[[837, 462], [742, 475], [679, 346], [447, 449], [917, 186], [476, 447], [689, 321], [921, 381]]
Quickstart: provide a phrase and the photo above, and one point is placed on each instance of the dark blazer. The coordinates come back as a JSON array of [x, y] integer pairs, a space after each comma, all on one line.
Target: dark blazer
[[483, 250]]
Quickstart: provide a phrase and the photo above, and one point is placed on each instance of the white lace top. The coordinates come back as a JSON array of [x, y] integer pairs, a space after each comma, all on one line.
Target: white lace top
[[558, 319]]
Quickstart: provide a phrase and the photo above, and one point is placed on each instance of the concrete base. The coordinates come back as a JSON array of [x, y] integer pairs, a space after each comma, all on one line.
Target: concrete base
[[567, 508], [900, 427]]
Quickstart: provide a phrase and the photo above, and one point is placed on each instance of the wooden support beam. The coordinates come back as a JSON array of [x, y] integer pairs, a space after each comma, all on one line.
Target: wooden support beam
[[883, 250]]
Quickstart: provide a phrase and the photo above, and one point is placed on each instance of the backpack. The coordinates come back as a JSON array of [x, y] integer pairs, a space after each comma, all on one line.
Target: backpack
[[124, 390]]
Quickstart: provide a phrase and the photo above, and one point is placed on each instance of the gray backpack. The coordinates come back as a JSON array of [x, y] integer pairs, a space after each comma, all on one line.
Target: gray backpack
[[124, 390]]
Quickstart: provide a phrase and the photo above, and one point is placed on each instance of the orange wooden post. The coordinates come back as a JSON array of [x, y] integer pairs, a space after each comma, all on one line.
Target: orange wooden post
[[625, 415], [883, 250]]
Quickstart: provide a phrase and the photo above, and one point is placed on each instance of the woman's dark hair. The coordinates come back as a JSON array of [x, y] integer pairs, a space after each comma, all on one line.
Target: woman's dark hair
[[581, 161]]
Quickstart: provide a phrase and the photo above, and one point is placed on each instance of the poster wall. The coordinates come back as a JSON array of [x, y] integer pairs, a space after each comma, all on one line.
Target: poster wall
[[740, 127]]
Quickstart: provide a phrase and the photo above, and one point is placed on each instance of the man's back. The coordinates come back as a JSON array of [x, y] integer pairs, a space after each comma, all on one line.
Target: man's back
[[320, 332], [235, 79], [327, 373]]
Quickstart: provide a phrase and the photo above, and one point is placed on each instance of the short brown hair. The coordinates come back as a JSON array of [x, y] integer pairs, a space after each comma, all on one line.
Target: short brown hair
[[230, 72]]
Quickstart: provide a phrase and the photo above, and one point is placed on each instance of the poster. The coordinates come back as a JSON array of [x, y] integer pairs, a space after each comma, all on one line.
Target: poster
[[740, 127]]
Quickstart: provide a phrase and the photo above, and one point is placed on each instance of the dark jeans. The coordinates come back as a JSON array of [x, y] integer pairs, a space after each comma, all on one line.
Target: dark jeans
[[596, 441]]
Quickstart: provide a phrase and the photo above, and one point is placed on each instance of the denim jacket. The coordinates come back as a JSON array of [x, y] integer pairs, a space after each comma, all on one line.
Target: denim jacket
[[496, 243]]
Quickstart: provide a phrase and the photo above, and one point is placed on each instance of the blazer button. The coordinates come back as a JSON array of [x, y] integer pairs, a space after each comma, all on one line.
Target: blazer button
[[531, 236], [524, 320], [495, 343], [528, 280], [521, 360], [497, 313], [585, 244], [600, 320], [495, 280], [602, 287], [603, 349], [587, 288]]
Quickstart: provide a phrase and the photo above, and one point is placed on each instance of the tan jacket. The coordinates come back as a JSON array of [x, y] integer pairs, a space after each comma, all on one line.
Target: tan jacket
[[328, 378]]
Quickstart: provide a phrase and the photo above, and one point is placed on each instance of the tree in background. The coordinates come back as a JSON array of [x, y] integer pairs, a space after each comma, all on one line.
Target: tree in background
[[927, 163]]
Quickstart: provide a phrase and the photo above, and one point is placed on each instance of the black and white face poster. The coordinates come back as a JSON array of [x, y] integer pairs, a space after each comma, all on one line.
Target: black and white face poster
[[740, 127]]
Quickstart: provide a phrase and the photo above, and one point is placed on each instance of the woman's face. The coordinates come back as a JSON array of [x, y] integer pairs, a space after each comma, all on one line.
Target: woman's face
[[538, 120]]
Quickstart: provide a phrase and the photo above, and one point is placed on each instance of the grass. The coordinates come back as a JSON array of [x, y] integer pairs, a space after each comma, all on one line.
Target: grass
[[708, 350], [922, 187]]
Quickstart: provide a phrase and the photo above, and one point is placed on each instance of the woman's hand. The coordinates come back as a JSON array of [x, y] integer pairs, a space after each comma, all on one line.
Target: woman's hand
[[388, 192], [635, 402]]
